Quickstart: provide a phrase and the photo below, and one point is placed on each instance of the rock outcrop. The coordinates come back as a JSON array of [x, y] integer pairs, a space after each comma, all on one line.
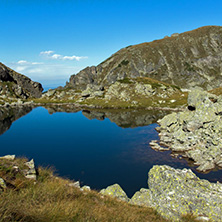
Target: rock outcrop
[[189, 59], [13, 84], [127, 93], [173, 193], [196, 132]]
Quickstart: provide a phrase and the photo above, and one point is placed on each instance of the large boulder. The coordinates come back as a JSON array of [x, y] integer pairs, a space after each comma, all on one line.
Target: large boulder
[[197, 97], [175, 192]]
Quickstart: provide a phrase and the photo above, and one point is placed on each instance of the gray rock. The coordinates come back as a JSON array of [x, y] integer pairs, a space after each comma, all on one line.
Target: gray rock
[[174, 193], [8, 157], [85, 188], [75, 184], [50, 92], [31, 172], [115, 191], [2, 184], [195, 132], [141, 198], [144, 89], [198, 96]]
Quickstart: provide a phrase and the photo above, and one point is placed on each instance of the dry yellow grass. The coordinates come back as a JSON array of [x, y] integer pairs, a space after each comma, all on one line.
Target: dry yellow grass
[[52, 199]]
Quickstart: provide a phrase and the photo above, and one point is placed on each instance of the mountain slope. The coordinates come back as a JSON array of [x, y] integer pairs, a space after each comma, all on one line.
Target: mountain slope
[[18, 85], [186, 60]]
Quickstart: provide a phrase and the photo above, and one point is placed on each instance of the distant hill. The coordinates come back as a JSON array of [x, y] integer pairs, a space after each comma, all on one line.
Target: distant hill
[[189, 59], [13, 84]]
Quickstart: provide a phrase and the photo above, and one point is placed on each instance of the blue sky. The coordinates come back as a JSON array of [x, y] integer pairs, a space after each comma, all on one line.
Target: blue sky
[[50, 40]]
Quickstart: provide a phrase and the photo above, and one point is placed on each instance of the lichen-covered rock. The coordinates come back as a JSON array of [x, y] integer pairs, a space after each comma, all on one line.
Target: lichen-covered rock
[[115, 191], [141, 198], [198, 96], [175, 192], [2, 184], [85, 188], [8, 157], [75, 184], [92, 91], [144, 89], [195, 132], [31, 172]]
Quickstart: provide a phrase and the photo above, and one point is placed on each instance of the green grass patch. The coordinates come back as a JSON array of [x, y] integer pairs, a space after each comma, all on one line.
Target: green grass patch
[[126, 80]]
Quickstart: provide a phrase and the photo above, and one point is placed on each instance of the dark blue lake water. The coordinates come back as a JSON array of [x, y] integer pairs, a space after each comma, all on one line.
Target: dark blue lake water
[[97, 148]]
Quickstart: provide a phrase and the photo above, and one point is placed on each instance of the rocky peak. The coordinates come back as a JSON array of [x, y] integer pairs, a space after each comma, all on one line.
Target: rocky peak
[[15, 84]]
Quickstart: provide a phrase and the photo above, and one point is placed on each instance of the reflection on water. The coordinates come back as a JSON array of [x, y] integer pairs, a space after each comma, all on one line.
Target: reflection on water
[[123, 118], [9, 114], [99, 148]]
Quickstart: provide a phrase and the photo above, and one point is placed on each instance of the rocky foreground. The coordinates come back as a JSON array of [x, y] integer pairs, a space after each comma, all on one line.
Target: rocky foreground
[[174, 193], [196, 132]]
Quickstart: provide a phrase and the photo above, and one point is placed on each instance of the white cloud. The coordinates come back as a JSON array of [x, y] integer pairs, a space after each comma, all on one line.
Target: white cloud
[[20, 68], [22, 62], [46, 52], [35, 70], [54, 56], [45, 72], [74, 57]]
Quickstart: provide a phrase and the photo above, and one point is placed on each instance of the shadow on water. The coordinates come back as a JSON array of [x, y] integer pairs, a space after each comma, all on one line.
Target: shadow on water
[[87, 145]]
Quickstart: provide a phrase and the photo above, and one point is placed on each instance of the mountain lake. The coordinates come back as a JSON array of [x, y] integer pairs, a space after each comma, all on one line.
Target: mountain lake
[[98, 148]]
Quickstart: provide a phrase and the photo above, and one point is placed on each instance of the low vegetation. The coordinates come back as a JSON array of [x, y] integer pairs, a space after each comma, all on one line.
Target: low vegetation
[[51, 198]]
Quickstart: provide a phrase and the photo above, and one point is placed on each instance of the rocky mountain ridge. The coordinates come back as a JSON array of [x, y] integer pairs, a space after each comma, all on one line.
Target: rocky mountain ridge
[[189, 59], [15, 85]]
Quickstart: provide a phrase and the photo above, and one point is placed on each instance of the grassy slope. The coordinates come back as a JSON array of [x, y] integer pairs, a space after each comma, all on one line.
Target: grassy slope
[[51, 199]]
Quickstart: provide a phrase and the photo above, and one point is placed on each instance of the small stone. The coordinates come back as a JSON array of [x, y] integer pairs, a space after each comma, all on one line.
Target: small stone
[[31, 173], [75, 184], [30, 164], [8, 157], [85, 188], [2, 183]]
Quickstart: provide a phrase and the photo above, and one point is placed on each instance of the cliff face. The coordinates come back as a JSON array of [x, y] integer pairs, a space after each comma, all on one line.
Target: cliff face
[[189, 59], [15, 84]]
